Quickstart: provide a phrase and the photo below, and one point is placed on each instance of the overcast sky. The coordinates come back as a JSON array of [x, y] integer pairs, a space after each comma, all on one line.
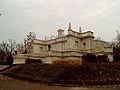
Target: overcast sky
[[45, 17]]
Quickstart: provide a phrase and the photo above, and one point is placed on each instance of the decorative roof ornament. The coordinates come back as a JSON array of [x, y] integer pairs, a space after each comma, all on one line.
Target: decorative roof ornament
[[69, 27], [80, 30]]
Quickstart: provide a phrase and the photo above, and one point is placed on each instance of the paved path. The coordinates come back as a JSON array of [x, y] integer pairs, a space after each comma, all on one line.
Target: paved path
[[3, 66]]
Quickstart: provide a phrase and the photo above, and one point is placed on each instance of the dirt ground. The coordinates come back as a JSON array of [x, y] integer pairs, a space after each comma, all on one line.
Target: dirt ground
[[13, 84], [4, 77]]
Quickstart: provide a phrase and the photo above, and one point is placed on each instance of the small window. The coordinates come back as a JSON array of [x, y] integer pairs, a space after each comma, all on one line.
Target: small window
[[84, 45], [49, 47], [76, 44]]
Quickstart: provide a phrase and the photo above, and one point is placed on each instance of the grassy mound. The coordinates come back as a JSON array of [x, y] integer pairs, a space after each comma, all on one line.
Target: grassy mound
[[86, 74]]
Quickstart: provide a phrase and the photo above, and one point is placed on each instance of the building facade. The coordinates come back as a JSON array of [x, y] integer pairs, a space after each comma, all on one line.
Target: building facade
[[64, 48]]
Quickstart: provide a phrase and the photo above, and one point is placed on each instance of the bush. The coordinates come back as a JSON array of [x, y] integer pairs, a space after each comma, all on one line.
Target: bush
[[2, 63], [116, 54], [89, 58], [102, 58], [116, 57], [9, 60], [30, 61]]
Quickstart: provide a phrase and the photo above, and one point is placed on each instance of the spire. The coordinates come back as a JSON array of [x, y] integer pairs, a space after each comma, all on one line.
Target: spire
[[69, 27], [80, 30]]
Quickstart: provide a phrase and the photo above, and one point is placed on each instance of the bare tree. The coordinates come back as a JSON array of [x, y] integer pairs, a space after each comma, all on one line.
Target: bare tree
[[2, 54], [11, 45], [118, 38], [116, 47], [99, 38], [6, 48]]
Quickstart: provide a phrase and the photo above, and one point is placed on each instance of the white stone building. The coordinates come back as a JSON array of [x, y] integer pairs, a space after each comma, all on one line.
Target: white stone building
[[68, 47]]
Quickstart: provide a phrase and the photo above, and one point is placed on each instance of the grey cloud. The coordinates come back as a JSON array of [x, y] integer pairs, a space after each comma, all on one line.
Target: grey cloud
[[45, 16]]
